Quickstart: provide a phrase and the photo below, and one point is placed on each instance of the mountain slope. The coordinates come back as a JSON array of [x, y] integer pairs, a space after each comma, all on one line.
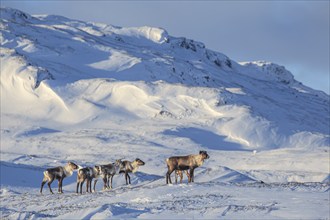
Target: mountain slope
[[71, 71]]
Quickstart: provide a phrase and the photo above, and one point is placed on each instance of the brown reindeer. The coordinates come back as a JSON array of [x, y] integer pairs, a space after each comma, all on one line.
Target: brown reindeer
[[58, 173], [180, 174], [189, 162], [130, 167]]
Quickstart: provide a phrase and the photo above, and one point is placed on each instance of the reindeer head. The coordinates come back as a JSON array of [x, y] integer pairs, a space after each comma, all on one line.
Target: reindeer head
[[139, 162], [118, 165], [73, 166], [118, 162], [204, 154]]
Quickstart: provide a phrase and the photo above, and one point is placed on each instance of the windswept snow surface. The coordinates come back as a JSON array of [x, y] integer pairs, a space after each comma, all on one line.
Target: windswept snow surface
[[93, 93]]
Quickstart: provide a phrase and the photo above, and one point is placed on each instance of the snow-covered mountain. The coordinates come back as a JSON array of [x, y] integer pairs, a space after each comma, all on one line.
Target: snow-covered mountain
[[71, 72], [91, 92]]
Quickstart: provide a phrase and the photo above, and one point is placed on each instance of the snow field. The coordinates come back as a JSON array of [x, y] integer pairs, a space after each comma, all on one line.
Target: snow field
[[93, 93], [149, 197]]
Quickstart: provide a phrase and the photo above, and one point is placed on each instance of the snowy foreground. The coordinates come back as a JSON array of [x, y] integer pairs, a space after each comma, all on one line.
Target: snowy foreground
[[219, 192], [93, 93]]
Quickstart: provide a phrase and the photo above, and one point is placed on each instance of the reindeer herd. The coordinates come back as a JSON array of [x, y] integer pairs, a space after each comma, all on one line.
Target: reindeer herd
[[179, 164]]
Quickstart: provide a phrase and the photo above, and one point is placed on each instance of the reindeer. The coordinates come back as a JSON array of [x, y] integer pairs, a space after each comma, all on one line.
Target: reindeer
[[108, 171], [130, 167], [184, 163], [58, 173], [180, 174], [87, 173]]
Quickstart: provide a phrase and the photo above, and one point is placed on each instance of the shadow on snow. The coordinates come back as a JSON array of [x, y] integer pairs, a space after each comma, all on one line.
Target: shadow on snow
[[205, 139]]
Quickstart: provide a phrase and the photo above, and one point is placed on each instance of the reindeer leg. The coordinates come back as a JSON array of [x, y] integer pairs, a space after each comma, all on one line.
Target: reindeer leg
[[176, 177], [104, 183], [50, 182], [191, 176], [126, 174], [42, 185], [111, 181], [129, 178], [81, 184], [59, 185], [181, 177], [187, 173], [168, 176], [62, 185], [90, 185], [87, 186], [77, 186], [108, 179]]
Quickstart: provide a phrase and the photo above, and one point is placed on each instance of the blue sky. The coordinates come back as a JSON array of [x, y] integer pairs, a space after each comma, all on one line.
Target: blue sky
[[294, 34]]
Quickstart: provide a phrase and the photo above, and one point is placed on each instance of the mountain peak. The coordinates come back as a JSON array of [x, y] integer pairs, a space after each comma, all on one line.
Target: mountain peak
[[14, 15], [271, 70]]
